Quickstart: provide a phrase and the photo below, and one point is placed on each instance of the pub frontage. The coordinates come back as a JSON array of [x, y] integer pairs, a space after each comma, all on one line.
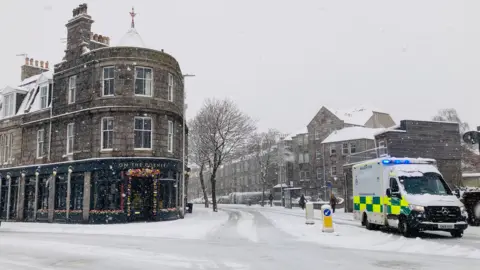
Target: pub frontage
[[100, 190]]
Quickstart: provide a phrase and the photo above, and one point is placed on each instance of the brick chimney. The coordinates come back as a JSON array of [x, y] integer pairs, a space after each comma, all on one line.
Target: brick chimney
[[78, 32], [32, 68]]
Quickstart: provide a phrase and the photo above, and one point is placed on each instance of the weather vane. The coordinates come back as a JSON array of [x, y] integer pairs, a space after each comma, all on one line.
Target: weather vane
[[133, 14]]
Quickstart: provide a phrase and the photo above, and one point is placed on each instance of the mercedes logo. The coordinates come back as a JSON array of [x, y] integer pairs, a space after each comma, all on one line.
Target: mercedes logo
[[444, 211]]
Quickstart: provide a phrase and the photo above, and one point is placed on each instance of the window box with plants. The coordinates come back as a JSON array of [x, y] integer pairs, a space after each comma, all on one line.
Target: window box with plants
[[107, 216], [42, 215], [74, 216]]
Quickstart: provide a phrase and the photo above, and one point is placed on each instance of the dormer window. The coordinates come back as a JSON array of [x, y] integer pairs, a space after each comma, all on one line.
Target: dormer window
[[9, 108], [43, 96]]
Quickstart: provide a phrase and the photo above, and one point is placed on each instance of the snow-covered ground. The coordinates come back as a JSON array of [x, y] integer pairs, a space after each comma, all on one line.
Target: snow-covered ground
[[470, 240], [202, 220], [353, 237], [236, 237]]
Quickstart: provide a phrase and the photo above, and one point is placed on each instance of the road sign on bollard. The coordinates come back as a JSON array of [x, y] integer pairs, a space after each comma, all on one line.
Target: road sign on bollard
[[327, 218], [309, 215]]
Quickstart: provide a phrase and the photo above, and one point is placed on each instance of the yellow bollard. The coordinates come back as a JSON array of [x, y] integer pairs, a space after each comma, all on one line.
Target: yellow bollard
[[327, 219]]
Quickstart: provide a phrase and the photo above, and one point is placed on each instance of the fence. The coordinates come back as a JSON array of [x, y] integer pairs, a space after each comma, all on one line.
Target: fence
[[366, 155]]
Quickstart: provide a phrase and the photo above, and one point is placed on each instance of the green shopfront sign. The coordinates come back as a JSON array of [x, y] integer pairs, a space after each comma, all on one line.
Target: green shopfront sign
[[118, 164]]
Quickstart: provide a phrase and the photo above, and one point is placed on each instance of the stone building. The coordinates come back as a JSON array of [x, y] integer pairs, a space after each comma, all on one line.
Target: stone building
[[418, 139], [101, 140], [427, 139], [337, 150], [244, 174], [308, 143]]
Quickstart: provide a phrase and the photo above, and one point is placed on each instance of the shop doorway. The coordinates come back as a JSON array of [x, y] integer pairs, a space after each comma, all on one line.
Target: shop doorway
[[29, 201], [142, 198]]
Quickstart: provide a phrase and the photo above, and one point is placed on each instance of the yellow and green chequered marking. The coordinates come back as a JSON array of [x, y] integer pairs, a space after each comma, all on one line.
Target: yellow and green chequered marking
[[370, 203], [375, 204]]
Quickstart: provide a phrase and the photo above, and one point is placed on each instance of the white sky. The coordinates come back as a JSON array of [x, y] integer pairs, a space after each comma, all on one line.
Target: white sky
[[282, 60]]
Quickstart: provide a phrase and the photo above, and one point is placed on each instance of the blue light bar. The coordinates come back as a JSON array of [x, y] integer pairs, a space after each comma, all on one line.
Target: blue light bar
[[395, 161]]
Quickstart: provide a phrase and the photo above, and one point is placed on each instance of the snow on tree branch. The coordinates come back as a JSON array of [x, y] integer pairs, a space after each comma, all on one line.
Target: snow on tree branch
[[221, 130]]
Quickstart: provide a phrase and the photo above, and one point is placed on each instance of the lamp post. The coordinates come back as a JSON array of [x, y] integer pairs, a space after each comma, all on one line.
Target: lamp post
[[183, 140], [9, 178], [67, 205], [37, 173]]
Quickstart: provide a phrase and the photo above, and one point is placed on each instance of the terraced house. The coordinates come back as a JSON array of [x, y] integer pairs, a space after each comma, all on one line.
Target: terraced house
[[319, 163], [97, 140]]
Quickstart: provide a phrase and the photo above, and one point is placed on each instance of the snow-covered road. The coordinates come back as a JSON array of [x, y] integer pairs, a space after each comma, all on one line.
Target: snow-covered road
[[471, 238], [234, 238]]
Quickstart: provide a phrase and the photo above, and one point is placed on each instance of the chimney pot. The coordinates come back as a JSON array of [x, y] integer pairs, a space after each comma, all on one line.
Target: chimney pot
[[41, 64], [46, 65], [95, 37], [36, 63], [26, 61], [31, 61]]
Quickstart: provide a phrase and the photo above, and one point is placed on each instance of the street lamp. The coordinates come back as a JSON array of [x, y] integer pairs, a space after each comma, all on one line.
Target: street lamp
[[69, 184], [183, 140], [471, 137], [37, 173]]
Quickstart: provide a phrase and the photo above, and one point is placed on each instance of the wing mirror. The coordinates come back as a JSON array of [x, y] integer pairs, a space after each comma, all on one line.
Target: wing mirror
[[457, 192], [389, 192]]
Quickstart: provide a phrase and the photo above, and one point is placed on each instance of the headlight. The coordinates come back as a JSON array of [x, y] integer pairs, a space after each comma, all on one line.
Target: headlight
[[417, 208], [463, 210]]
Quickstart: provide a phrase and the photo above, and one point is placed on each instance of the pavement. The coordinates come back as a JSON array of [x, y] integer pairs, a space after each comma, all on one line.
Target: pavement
[[246, 239]]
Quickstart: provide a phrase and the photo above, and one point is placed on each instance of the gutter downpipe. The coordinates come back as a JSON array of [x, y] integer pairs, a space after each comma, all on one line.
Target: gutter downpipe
[[50, 128], [324, 175]]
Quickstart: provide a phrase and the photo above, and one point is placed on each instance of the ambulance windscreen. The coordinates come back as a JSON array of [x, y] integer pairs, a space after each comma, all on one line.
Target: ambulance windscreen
[[428, 183]]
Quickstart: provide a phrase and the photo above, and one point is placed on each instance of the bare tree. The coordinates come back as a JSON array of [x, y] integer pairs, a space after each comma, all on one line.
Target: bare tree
[[223, 131], [451, 115], [470, 160], [263, 146], [198, 153]]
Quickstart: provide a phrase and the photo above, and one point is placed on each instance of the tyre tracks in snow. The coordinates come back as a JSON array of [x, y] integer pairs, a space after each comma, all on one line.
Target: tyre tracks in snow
[[469, 240]]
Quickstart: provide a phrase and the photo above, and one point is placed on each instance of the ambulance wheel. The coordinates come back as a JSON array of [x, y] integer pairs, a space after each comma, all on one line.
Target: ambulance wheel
[[404, 228], [367, 224], [457, 233]]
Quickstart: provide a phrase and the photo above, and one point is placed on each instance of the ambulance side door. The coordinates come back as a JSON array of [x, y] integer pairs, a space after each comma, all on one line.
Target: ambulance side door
[[393, 204]]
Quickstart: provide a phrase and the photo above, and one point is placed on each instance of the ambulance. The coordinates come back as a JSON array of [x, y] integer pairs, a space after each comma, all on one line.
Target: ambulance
[[408, 194]]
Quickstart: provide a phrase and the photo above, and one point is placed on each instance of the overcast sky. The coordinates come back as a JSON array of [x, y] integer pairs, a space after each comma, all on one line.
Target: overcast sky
[[282, 60]]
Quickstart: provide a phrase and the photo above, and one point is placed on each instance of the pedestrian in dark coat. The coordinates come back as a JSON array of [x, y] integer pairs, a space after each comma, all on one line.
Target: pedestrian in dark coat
[[333, 202], [302, 201], [270, 198]]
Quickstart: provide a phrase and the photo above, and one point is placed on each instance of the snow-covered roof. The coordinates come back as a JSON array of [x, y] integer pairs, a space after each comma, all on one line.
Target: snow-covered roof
[[13, 89], [132, 39], [298, 132], [355, 116], [390, 129], [31, 87], [351, 133]]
